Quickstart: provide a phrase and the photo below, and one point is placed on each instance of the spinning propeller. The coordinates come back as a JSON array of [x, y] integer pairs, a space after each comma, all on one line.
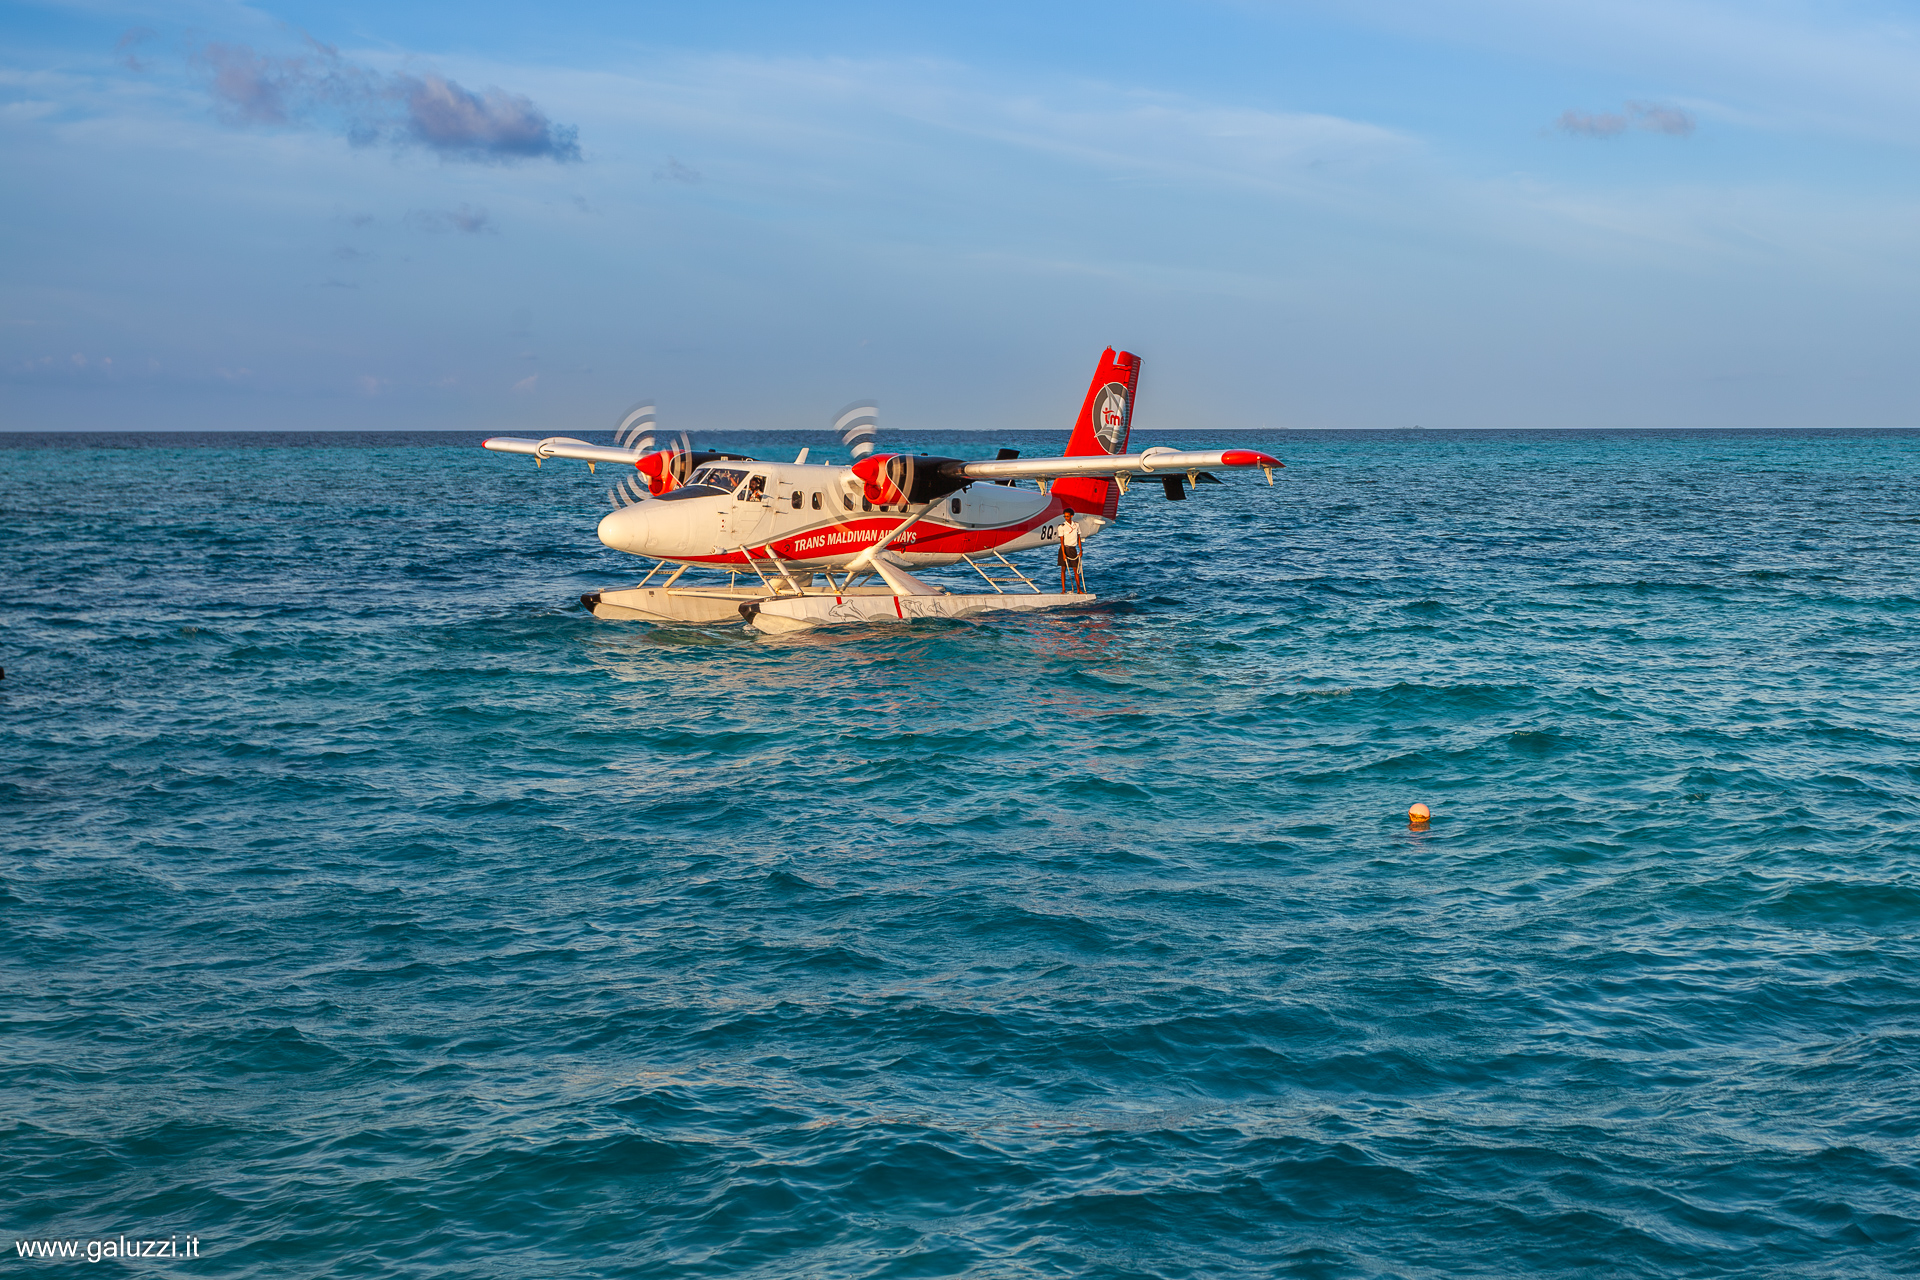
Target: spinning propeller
[[661, 470], [888, 480], [634, 432], [885, 480], [656, 472], [858, 425]]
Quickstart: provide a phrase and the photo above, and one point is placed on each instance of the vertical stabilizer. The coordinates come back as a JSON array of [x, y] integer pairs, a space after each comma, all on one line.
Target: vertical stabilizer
[[1106, 417]]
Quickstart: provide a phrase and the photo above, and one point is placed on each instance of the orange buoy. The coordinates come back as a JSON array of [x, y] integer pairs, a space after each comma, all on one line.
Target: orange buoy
[[1418, 815]]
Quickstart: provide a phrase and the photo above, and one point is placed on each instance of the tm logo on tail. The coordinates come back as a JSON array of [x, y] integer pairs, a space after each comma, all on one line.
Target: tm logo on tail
[[1110, 418]]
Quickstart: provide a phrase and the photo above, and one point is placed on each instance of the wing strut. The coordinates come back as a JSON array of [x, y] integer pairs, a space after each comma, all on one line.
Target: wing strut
[[902, 582]]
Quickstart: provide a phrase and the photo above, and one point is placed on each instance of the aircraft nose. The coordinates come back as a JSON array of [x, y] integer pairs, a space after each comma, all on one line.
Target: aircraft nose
[[626, 529]]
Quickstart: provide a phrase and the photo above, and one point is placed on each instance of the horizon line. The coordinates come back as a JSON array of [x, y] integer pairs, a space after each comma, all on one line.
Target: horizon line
[[941, 431]]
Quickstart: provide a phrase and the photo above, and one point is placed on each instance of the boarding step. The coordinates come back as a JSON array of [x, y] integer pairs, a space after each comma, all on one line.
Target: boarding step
[[1001, 584]]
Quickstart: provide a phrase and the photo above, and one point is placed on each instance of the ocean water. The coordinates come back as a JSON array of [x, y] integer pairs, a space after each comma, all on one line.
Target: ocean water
[[369, 909]]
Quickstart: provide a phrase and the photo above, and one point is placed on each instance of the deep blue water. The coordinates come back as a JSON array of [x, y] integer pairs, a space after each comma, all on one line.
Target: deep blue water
[[367, 908]]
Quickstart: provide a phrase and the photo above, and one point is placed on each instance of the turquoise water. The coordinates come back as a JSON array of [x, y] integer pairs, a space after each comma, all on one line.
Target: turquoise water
[[370, 909]]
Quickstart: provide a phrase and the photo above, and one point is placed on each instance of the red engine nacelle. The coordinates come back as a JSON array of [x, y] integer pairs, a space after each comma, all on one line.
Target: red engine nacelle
[[885, 476], [659, 470]]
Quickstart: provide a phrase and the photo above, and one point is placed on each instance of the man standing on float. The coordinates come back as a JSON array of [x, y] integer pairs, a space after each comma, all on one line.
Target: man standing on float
[[1070, 540]]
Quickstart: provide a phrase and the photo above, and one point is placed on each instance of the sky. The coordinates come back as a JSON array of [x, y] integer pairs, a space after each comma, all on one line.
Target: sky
[[1302, 214]]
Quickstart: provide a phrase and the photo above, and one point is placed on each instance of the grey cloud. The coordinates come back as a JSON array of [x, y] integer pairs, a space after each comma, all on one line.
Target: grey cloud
[[321, 89], [467, 219], [128, 45], [674, 171], [1603, 125], [446, 117], [1654, 118], [250, 88], [1649, 117]]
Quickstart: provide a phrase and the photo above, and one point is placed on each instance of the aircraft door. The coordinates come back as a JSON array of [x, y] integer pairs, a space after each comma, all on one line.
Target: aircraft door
[[752, 522]]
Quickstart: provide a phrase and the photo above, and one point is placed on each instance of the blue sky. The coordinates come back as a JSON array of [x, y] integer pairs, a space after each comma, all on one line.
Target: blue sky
[[1378, 213]]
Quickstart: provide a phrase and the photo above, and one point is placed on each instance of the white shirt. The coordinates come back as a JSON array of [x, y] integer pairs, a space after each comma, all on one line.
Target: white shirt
[[1069, 534]]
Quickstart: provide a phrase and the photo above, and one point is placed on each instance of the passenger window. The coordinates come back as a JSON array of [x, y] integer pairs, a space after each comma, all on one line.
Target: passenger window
[[796, 499], [956, 506], [846, 500], [816, 502], [866, 504]]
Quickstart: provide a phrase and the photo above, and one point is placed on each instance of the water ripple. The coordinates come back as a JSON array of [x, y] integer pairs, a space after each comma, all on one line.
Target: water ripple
[[371, 909]]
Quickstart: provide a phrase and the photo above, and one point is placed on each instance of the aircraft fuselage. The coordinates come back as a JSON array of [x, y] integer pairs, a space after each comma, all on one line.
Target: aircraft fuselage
[[813, 516]]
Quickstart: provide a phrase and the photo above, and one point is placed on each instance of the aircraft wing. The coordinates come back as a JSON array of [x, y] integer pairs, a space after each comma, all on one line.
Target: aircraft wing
[[1148, 462], [562, 447]]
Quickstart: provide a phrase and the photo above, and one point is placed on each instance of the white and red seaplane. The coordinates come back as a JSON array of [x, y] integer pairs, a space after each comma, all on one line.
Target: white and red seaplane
[[783, 528]]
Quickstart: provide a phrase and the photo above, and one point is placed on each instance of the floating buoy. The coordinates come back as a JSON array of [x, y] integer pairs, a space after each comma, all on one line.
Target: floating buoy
[[1419, 815]]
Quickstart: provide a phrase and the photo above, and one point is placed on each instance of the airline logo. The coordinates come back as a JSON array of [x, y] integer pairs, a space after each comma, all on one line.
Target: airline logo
[[1110, 416]]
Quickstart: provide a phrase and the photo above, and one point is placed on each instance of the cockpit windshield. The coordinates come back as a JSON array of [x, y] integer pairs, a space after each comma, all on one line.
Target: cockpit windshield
[[725, 479]]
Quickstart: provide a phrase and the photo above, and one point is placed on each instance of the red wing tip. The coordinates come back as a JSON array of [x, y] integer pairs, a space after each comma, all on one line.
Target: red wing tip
[[1248, 458]]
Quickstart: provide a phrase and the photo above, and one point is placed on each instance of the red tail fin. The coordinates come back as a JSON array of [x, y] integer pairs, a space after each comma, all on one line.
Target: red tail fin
[[1105, 419]]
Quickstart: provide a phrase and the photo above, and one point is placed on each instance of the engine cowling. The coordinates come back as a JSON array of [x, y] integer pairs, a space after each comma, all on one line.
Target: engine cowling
[[891, 479]]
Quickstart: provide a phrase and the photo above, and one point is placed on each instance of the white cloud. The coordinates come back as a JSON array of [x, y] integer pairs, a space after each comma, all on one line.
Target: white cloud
[[1086, 177], [941, 208], [830, 109], [1844, 67]]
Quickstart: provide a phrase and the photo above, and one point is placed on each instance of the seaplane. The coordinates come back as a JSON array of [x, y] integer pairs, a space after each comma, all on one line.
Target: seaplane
[[809, 545]]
